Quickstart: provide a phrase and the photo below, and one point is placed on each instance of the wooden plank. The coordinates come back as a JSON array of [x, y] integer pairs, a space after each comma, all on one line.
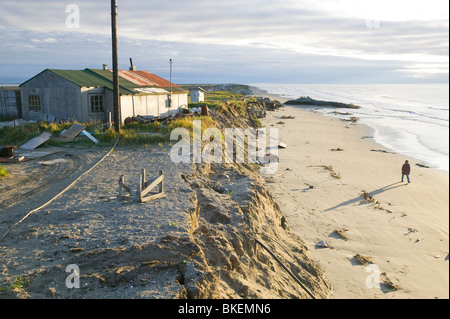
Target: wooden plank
[[144, 177], [152, 197], [14, 160], [125, 187], [93, 139], [161, 186], [152, 185], [120, 188], [17, 159], [139, 189], [73, 131], [37, 141], [37, 154]]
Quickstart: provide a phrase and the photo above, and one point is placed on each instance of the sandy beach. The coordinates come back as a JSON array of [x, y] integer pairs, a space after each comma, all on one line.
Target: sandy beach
[[401, 229]]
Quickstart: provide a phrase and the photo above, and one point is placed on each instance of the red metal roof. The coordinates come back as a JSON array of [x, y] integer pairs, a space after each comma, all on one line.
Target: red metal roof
[[145, 78]]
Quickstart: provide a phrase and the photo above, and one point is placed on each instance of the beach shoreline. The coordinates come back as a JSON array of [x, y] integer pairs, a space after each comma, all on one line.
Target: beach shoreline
[[413, 125], [403, 232]]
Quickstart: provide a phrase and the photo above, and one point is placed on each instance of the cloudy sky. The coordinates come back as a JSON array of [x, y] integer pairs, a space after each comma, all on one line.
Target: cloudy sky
[[251, 41]]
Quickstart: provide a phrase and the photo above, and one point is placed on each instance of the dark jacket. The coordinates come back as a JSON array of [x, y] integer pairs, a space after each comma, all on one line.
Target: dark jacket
[[406, 169]]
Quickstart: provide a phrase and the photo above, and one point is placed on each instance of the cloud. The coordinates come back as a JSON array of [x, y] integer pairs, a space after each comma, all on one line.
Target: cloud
[[46, 40], [232, 36]]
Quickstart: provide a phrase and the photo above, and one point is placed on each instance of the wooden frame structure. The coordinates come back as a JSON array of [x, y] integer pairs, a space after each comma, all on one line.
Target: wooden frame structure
[[144, 188]]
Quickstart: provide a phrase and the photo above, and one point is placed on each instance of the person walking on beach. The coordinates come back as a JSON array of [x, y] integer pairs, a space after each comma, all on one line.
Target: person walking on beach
[[406, 170]]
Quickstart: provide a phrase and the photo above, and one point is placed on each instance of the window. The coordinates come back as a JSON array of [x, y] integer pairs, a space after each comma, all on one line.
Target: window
[[97, 105], [34, 103]]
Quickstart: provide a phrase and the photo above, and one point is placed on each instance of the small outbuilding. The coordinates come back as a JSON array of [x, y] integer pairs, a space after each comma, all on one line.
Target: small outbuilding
[[197, 94], [87, 95]]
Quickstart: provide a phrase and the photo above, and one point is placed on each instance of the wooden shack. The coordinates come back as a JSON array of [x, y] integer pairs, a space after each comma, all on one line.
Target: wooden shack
[[197, 94], [87, 95]]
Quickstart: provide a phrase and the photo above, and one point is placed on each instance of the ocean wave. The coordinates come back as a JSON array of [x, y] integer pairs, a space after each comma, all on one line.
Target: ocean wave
[[408, 119]]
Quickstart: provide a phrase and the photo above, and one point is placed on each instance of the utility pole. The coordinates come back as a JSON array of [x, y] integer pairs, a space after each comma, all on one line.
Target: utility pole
[[170, 100], [116, 102]]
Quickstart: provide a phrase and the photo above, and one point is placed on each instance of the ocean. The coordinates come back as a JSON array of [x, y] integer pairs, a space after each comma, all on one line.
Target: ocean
[[409, 119]]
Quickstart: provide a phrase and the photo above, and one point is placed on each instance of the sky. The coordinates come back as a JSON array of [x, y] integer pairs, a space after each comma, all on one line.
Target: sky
[[252, 41]]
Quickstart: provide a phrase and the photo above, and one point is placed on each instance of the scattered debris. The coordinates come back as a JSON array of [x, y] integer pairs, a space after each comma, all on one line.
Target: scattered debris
[[422, 165], [382, 151], [139, 119], [352, 119], [7, 151], [341, 233], [37, 141], [282, 145], [337, 149], [388, 283], [17, 159], [340, 113], [143, 188], [285, 117], [330, 169], [310, 186], [335, 175], [322, 244], [72, 132], [41, 153], [93, 139], [411, 231], [367, 197], [362, 260]]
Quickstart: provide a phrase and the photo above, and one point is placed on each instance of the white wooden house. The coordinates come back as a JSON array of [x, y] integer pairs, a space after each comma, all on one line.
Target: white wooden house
[[87, 95]]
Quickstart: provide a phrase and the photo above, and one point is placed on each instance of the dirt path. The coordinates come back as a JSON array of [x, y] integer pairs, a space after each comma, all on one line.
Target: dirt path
[[88, 222], [33, 183]]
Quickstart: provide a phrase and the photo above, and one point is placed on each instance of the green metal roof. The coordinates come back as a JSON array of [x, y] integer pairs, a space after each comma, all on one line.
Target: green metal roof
[[101, 78], [92, 77]]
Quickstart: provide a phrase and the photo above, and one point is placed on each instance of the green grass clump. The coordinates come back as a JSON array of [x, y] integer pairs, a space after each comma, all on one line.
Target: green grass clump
[[221, 96], [134, 134], [3, 171], [209, 104]]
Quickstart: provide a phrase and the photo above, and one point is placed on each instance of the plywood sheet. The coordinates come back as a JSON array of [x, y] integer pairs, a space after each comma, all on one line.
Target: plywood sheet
[[73, 131], [37, 141]]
